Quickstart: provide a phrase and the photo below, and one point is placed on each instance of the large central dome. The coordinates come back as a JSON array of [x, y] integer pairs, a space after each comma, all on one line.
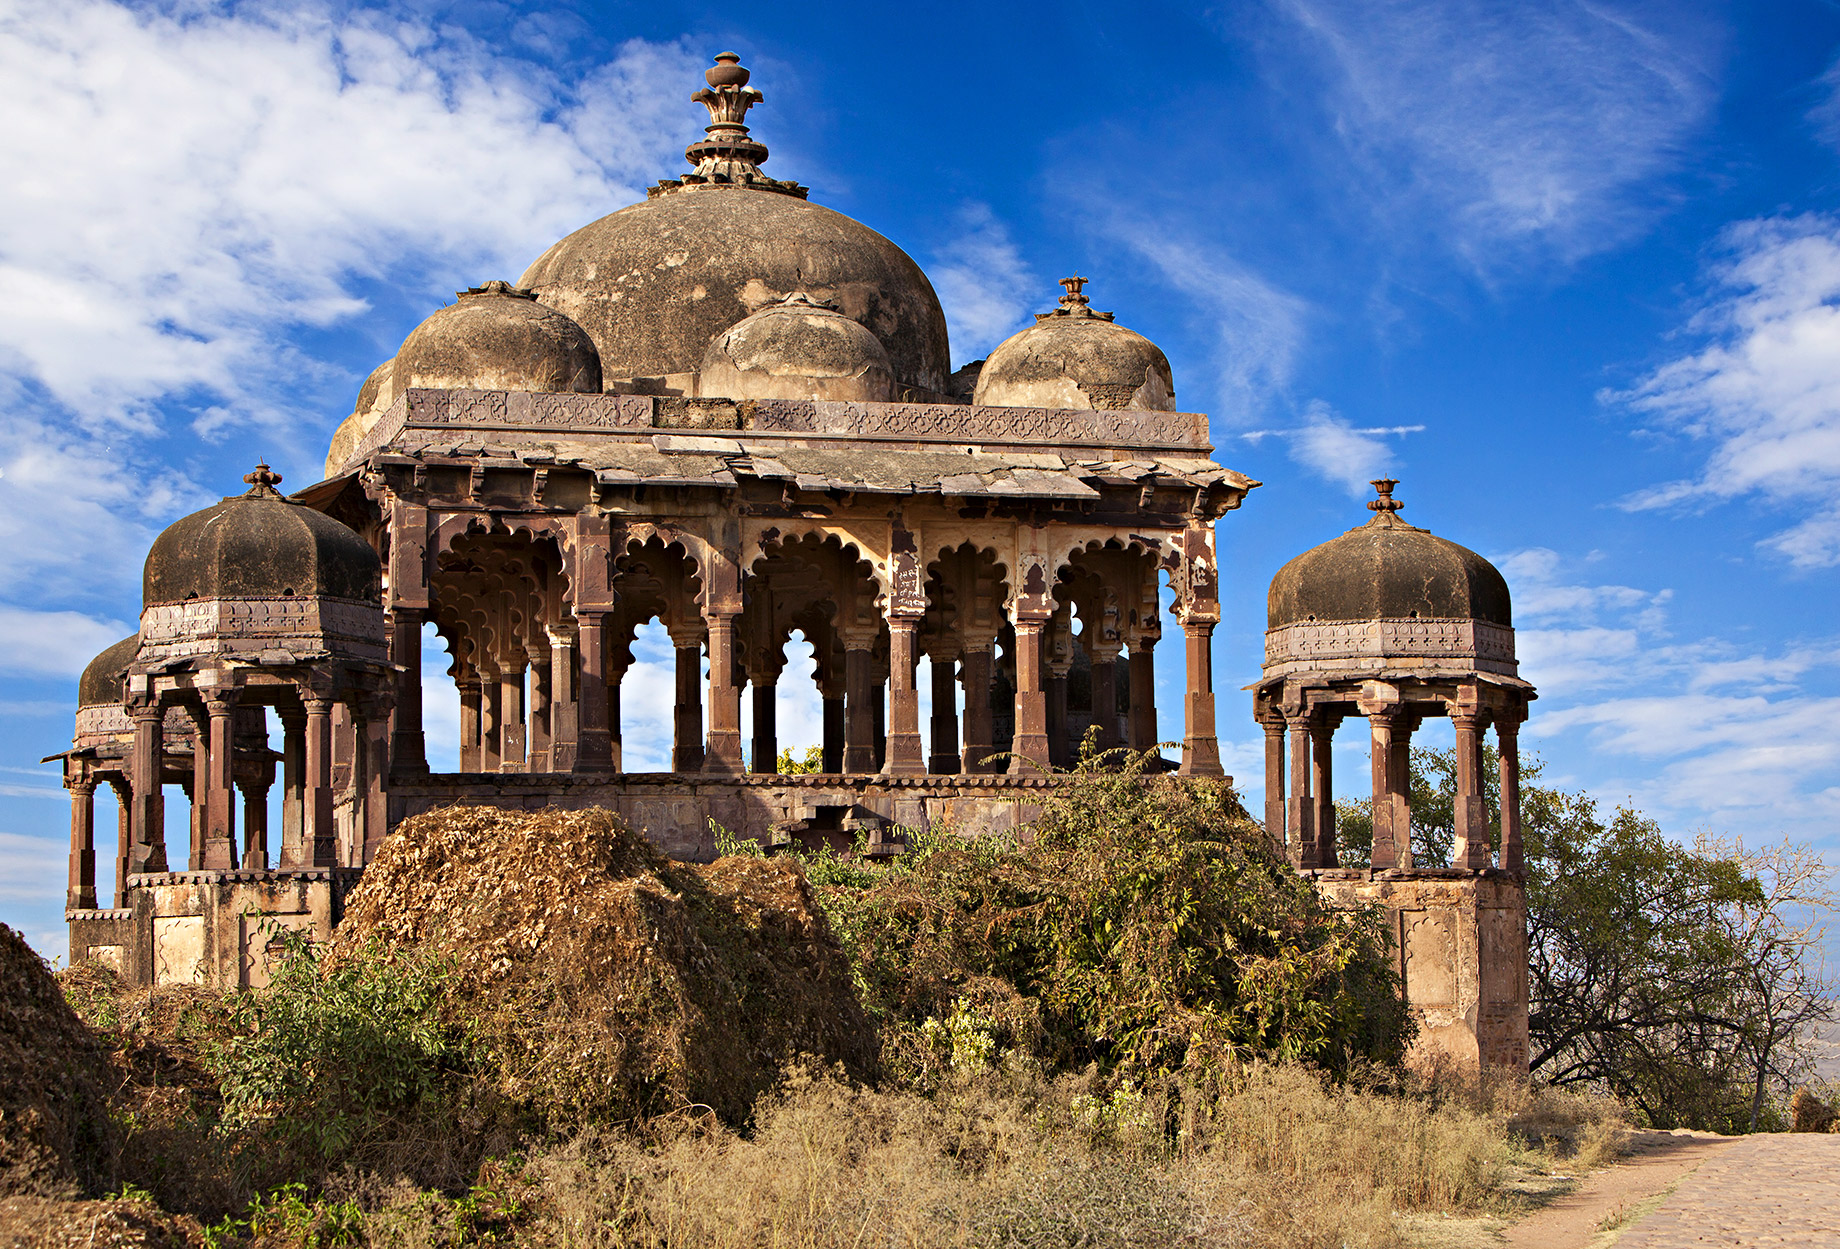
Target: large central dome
[[653, 284]]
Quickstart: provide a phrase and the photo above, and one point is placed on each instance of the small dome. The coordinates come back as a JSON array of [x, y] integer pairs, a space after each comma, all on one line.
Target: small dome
[[100, 684], [1388, 570], [496, 337], [797, 349], [1074, 357], [654, 283], [374, 399], [258, 545]]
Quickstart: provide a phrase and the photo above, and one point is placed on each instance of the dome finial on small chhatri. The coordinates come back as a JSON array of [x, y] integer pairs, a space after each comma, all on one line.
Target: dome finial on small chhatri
[[262, 483], [1386, 505]]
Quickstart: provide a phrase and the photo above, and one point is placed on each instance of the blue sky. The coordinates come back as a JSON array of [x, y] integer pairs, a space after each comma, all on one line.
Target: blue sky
[[1570, 271]]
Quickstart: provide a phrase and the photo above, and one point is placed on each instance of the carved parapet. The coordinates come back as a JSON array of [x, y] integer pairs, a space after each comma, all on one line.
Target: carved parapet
[[269, 631], [1435, 646]]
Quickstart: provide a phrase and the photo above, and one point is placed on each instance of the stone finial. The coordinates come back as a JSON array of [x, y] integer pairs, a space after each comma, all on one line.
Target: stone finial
[[496, 287], [1074, 303], [262, 483], [1075, 285], [1385, 504], [727, 153]]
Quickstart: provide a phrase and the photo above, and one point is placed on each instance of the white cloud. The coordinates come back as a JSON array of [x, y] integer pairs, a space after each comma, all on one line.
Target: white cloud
[[1764, 387], [1516, 125], [986, 288], [53, 643], [1331, 446]]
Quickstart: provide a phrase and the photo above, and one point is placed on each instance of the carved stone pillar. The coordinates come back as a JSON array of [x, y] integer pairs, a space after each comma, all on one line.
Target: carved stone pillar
[[1274, 776], [766, 721], [834, 731], [491, 721], [374, 744], [124, 834], [593, 739], [1507, 735], [255, 825], [859, 734], [148, 852], [198, 789], [724, 753], [81, 895], [905, 756], [1322, 741], [1472, 812], [1143, 695], [293, 780], [1301, 806], [472, 724], [945, 759], [980, 732], [1105, 696], [320, 840], [409, 747], [1381, 726], [1400, 771], [512, 754], [220, 785], [1200, 746], [687, 743], [1029, 749], [562, 700], [538, 744]]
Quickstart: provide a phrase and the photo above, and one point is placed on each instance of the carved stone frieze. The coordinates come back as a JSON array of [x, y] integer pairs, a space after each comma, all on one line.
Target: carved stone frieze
[[277, 631], [1316, 645]]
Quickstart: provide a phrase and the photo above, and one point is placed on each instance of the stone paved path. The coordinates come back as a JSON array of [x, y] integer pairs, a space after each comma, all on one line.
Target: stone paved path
[[1777, 1189]]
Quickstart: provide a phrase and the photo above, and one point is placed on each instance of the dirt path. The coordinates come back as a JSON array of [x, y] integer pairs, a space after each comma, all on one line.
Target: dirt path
[[1656, 1161], [1780, 1189]]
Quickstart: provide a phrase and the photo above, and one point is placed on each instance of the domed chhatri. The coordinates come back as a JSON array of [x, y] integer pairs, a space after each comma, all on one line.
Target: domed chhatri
[[257, 545], [654, 283], [1388, 570], [100, 684], [498, 337], [1074, 357], [797, 349], [374, 399]]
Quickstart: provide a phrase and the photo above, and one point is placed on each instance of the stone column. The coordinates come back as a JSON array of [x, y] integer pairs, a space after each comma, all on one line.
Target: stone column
[[687, 743], [980, 732], [1400, 771], [835, 728], [374, 742], [472, 724], [1200, 746], [859, 729], [1029, 748], [512, 755], [1507, 735], [724, 752], [198, 790], [491, 721], [593, 739], [905, 756], [320, 837], [1274, 776], [124, 834], [293, 782], [538, 744], [1472, 812], [562, 700], [255, 825], [220, 785], [945, 759], [409, 745], [766, 721], [1322, 782], [1059, 733], [616, 731], [1105, 696], [1301, 807], [1143, 695], [878, 716], [148, 852], [1381, 727], [81, 895]]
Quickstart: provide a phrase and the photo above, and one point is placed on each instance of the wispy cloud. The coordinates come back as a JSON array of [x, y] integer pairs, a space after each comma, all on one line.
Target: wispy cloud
[[53, 643], [1513, 127], [1763, 386], [985, 286], [1331, 446]]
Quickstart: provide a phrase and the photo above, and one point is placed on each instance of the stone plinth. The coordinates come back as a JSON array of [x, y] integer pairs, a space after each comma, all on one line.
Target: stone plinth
[[1461, 941]]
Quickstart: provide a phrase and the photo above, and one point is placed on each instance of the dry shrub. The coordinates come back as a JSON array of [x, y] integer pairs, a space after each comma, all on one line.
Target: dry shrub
[[604, 980], [38, 1223], [1808, 1113], [56, 1139]]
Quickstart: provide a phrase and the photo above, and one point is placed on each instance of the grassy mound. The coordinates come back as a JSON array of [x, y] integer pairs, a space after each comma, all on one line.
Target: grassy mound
[[55, 1135], [602, 981]]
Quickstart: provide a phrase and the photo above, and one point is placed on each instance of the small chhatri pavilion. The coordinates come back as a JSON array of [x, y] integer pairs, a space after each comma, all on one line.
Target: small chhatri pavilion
[[730, 412]]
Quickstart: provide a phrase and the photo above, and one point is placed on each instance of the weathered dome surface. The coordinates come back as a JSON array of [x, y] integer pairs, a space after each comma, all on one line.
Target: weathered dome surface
[[1074, 357], [654, 283], [497, 337], [1388, 570], [258, 545], [797, 349], [100, 684], [374, 399]]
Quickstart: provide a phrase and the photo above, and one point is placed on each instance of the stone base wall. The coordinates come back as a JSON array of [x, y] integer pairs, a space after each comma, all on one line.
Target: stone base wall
[[1461, 941], [212, 928], [673, 810]]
